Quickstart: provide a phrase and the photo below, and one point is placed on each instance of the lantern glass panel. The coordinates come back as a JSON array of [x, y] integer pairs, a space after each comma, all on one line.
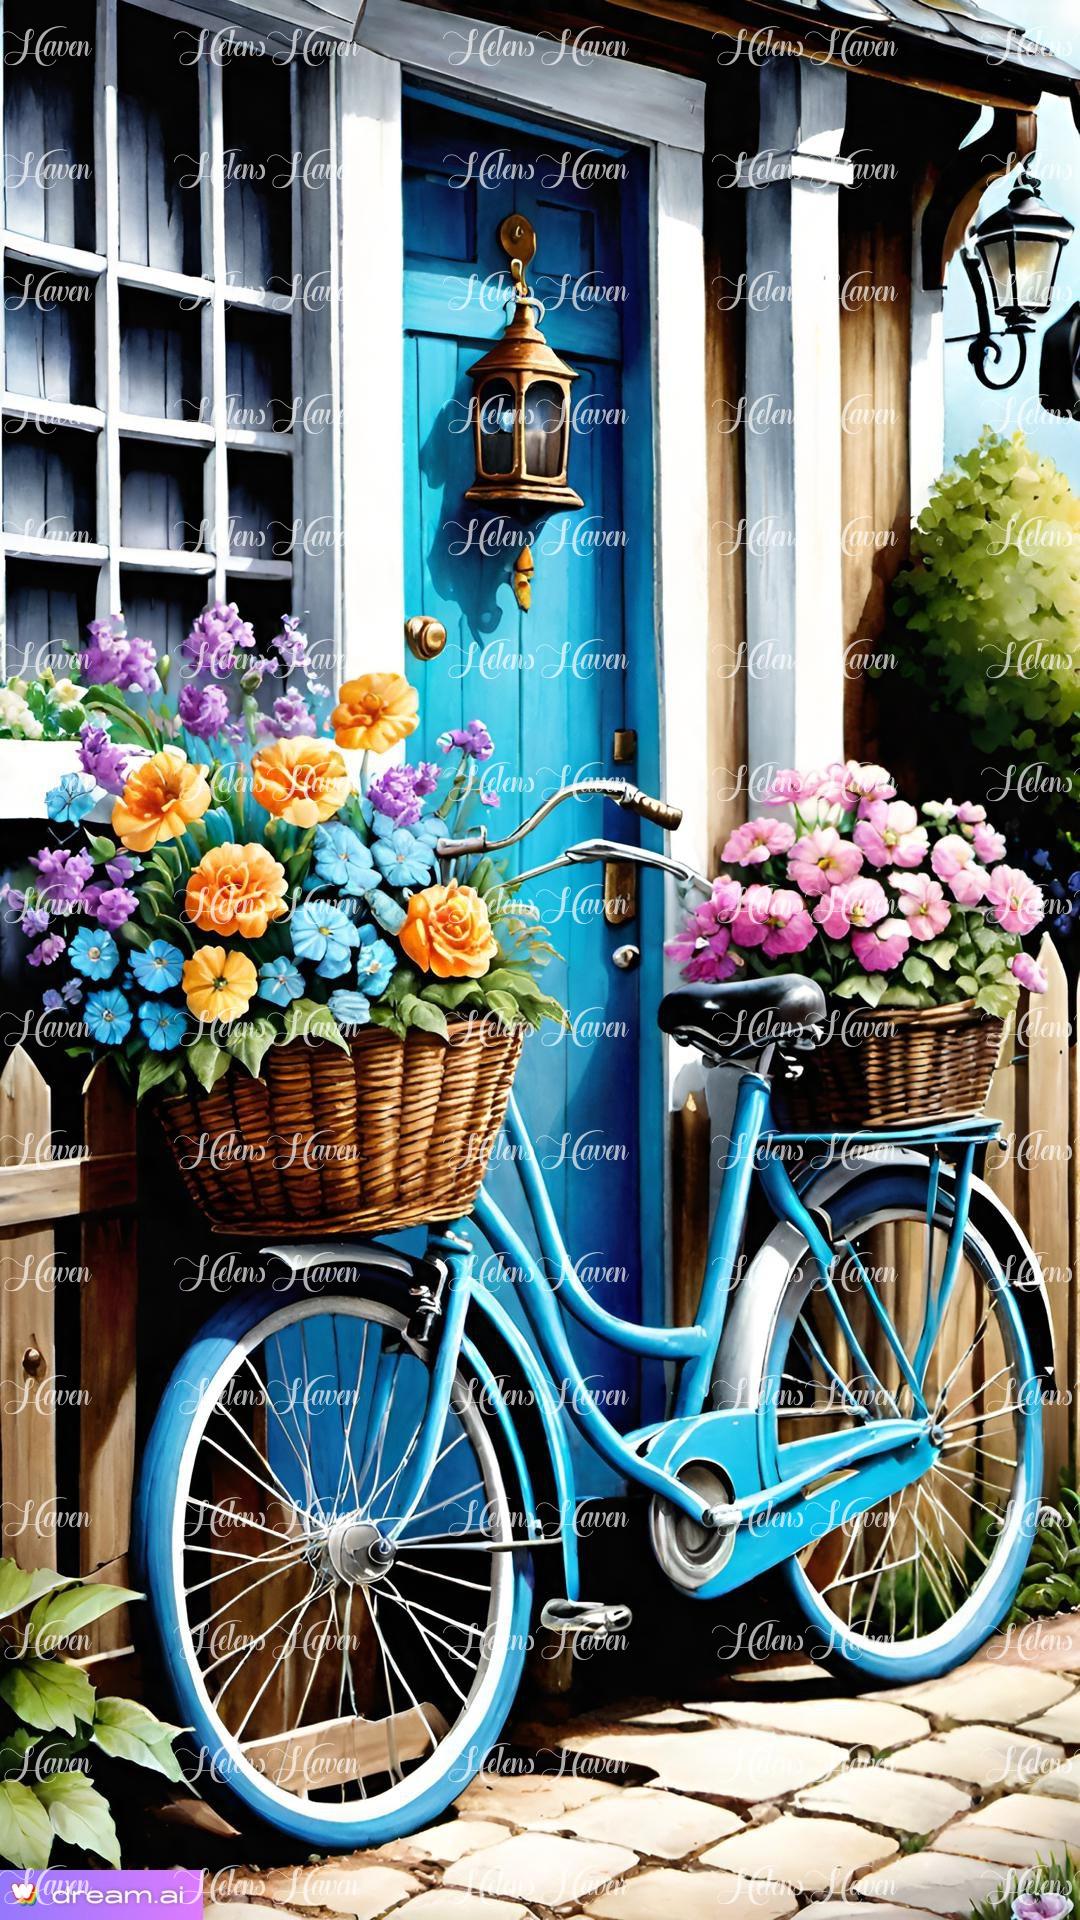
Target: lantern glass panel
[[545, 429], [497, 404], [998, 255], [1036, 265]]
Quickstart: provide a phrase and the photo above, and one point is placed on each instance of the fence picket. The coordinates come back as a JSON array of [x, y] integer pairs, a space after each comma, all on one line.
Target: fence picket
[[1047, 1150], [27, 1421]]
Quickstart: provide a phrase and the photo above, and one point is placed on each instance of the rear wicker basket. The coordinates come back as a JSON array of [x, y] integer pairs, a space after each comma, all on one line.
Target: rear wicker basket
[[392, 1133], [894, 1068]]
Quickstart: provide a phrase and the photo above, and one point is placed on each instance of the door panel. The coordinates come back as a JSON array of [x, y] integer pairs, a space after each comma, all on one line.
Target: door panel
[[554, 684]]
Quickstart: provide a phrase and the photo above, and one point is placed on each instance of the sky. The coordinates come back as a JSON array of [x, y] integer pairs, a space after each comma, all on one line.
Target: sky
[[969, 406]]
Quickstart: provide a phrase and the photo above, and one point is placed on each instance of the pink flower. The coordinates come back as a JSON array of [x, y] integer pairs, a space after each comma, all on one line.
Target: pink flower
[[988, 843], [821, 860], [1028, 972], [789, 926], [970, 814], [714, 961], [1015, 901], [857, 903], [922, 903], [791, 788], [720, 908], [750, 925], [753, 844], [849, 782], [953, 860], [890, 834], [881, 948]]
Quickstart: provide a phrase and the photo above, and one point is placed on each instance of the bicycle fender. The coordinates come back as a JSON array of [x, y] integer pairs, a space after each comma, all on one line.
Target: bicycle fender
[[989, 1215], [544, 1399]]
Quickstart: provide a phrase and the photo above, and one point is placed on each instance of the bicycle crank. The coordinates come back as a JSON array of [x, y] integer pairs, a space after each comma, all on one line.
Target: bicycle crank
[[689, 1552]]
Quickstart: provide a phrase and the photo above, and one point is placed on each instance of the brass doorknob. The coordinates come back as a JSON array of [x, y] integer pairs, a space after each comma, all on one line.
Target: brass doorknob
[[425, 636]]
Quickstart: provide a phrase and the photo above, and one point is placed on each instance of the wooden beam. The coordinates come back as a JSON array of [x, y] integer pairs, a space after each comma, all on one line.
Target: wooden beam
[[27, 1418], [348, 1749], [962, 183], [61, 1189]]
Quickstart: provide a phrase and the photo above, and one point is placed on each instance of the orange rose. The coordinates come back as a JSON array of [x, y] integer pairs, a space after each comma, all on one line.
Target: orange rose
[[218, 985], [236, 890], [161, 797], [447, 932], [302, 781], [375, 712]]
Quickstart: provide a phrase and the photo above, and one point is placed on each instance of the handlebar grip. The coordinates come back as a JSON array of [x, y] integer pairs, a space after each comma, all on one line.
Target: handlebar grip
[[657, 811]]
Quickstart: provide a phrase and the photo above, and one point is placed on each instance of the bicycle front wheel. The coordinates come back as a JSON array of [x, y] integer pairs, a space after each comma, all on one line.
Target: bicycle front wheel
[[344, 1689], [913, 1586]]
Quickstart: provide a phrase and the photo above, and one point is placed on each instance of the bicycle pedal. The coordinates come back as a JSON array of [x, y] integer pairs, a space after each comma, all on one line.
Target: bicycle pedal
[[584, 1616]]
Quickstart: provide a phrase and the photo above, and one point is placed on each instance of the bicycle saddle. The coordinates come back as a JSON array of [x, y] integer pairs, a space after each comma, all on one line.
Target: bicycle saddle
[[743, 1016]]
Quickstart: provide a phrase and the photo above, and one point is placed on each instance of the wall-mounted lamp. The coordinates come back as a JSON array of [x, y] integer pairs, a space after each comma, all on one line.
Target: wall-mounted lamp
[[521, 409], [1015, 253]]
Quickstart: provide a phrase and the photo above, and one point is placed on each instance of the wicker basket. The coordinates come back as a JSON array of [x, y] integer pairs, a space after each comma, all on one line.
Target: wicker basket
[[904, 1068], [391, 1134]]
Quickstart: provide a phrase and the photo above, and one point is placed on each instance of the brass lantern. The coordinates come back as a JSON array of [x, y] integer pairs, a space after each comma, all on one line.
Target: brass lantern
[[521, 403]]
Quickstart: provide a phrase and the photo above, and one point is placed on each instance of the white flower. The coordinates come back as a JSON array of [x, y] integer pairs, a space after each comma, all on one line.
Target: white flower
[[15, 713], [66, 694]]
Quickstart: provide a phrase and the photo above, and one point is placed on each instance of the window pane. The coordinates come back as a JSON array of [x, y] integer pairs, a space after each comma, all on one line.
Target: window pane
[[46, 604], [49, 491], [258, 187], [48, 124], [161, 497], [263, 602], [160, 357], [498, 404], [258, 373], [161, 148], [49, 333], [260, 506], [161, 606]]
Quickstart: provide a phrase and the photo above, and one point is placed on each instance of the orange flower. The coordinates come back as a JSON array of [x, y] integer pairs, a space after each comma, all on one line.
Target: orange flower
[[447, 932], [375, 712], [218, 985], [302, 780], [161, 797], [236, 890]]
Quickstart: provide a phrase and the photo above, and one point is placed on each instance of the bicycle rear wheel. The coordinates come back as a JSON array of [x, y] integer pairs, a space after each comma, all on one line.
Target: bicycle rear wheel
[[345, 1692], [916, 1584]]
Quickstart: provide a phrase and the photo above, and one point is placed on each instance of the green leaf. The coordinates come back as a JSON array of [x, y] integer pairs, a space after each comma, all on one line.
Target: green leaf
[[941, 952], [310, 1020], [967, 985], [451, 993], [14, 1748], [208, 1061], [127, 1730], [420, 1013], [896, 996], [155, 1069], [861, 986], [917, 971], [515, 980], [999, 998], [79, 1814], [59, 1615], [21, 1589], [249, 1040], [985, 938], [505, 1006], [991, 967], [26, 1831], [48, 1694], [102, 848]]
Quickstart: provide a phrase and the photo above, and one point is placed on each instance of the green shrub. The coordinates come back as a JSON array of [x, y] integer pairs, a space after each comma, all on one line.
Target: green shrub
[[51, 1721]]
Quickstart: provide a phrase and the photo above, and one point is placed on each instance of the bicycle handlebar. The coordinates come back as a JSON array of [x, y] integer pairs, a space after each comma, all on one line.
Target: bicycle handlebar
[[658, 812]]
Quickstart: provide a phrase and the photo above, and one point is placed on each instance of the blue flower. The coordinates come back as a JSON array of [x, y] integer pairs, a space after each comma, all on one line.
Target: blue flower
[[69, 995], [387, 911], [342, 859], [325, 934], [374, 964], [72, 799], [93, 954], [107, 1017], [280, 982], [404, 859], [349, 1009], [163, 1025], [430, 828], [159, 968]]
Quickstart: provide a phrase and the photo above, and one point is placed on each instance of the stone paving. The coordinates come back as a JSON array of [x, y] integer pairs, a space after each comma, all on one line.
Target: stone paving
[[777, 1796]]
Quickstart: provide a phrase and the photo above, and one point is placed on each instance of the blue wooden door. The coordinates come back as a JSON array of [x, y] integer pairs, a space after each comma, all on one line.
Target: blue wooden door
[[556, 684]]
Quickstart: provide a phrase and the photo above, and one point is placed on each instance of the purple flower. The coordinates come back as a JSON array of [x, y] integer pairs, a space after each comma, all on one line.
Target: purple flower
[[473, 739], [98, 757], [394, 795], [47, 951], [34, 921], [14, 896], [291, 716], [426, 776], [488, 798], [1041, 1906], [69, 995], [115, 906], [90, 897], [114, 659], [291, 644], [63, 876], [123, 868], [203, 710], [216, 638]]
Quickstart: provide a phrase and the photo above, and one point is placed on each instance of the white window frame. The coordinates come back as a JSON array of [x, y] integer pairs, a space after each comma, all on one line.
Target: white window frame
[[313, 490]]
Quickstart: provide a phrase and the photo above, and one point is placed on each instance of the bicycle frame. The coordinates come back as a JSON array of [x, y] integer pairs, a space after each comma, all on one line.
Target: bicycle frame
[[693, 1348]]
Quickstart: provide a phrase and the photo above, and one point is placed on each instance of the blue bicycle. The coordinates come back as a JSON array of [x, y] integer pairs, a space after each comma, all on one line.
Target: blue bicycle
[[354, 1470]]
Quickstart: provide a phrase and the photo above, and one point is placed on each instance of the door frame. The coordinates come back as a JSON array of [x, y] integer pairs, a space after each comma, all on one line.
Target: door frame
[[663, 114]]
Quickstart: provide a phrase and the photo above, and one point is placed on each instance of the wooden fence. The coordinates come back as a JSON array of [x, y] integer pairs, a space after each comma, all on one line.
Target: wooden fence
[[44, 1182]]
